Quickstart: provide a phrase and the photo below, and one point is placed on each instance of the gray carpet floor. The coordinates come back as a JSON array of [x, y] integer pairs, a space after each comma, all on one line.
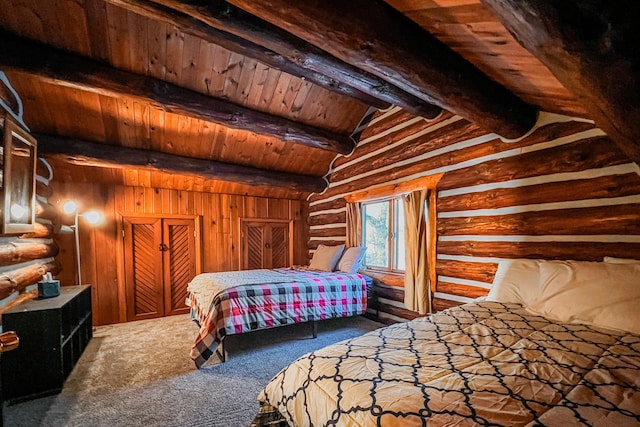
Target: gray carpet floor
[[140, 374]]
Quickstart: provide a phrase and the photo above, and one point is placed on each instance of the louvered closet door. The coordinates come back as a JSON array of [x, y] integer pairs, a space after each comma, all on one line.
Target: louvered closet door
[[265, 244], [254, 244], [279, 245], [180, 268], [143, 268], [160, 261]]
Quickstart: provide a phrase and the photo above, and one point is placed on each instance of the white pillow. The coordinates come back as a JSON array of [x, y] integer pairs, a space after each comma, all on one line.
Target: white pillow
[[351, 259], [613, 260], [597, 293], [517, 280], [325, 258]]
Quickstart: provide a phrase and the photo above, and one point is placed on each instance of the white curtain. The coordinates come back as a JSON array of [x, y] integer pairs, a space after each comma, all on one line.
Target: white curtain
[[417, 289]]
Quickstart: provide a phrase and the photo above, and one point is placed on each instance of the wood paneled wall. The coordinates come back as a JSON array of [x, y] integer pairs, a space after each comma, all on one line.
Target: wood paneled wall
[[25, 257], [101, 249], [564, 191]]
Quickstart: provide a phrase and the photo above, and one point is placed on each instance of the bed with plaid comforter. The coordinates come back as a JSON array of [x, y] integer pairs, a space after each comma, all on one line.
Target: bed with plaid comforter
[[268, 298]]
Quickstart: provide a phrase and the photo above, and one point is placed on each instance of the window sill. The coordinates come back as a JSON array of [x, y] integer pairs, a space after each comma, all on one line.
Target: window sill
[[392, 278], [383, 272]]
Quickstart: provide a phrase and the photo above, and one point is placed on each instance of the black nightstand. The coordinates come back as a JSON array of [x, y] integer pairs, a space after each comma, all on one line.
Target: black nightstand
[[53, 334]]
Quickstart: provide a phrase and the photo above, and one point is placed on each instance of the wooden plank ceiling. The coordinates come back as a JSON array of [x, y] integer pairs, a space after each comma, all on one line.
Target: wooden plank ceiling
[[270, 88]]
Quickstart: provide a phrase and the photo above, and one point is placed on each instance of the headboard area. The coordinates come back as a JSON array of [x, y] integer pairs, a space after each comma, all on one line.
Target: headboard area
[[603, 294]]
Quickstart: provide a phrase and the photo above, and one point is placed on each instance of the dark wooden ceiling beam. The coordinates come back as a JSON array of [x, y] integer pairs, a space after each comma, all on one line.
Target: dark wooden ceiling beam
[[255, 35], [84, 153], [197, 28], [372, 36], [69, 70], [593, 49]]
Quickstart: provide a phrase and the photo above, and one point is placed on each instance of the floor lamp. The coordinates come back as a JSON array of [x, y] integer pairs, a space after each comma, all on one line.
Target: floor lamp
[[93, 217]]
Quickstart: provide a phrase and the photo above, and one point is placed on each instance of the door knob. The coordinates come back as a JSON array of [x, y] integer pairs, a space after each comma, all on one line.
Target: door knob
[[267, 245], [163, 247]]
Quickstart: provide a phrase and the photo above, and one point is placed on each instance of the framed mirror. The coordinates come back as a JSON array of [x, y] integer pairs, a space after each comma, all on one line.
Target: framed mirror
[[18, 179]]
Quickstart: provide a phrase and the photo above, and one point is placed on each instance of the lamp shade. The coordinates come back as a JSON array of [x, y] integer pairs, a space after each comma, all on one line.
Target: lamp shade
[[93, 217], [70, 206]]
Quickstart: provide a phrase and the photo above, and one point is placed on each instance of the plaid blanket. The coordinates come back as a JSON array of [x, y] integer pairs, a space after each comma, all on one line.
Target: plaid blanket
[[309, 295]]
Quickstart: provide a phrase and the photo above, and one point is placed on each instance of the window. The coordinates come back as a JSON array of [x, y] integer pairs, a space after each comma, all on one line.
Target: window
[[383, 234]]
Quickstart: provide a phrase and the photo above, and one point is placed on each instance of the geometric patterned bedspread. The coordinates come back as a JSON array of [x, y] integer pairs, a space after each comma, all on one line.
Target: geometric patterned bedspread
[[308, 295], [484, 363]]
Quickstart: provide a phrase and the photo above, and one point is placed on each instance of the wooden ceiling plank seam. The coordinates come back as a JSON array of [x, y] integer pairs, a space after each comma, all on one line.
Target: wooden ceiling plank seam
[[126, 133], [58, 101], [156, 129], [92, 116], [131, 180], [156, 182], [110, 118], [138, 34], [190, 64], [206, 56], [201, 141], [232, 73], [75, 26], [289, 96], [81, 73], [173, 64], [298, 104], [217, 143], [144, 179], [335, 112], [142, 125], [221, 60], [260, 78], [26, 11], [97, 32], [170, 141], [269, 88], [245, 81], [9, 18], [278, 94], [37, 117], [117, 25], [398, 50], [319, 106], [184, 145], [157, 33]]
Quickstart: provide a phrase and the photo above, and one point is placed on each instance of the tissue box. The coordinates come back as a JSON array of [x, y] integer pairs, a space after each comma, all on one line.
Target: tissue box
[[49, 289]]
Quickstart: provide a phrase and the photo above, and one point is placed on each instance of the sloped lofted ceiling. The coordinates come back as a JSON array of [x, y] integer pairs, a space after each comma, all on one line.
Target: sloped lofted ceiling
[[258, 97]]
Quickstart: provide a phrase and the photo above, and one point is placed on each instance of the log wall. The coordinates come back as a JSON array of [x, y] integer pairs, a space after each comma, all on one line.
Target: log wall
[[102, 260], [564, 191], [25, 258]]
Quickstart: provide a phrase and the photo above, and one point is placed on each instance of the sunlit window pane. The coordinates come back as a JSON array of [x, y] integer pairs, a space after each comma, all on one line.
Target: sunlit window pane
[[400, 249], [376, 233]]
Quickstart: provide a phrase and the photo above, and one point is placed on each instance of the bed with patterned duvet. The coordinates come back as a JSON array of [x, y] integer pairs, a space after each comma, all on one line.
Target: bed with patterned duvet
[[569, 356]]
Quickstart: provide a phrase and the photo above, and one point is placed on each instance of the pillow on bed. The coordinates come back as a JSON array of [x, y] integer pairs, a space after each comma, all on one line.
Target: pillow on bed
[[517, 280], [597, 293], [325, 258], [351, 259], [613, 260]]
